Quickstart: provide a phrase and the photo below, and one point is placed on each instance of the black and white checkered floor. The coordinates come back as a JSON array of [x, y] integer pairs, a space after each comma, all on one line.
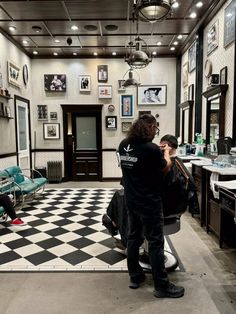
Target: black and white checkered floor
[[63, 233]]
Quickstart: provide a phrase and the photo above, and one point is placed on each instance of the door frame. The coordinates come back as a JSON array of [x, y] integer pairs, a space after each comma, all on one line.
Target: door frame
[[27, 102], [67, 137]]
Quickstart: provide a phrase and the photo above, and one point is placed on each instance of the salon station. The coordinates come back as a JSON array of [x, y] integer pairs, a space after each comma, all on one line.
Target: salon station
[[74, 76]]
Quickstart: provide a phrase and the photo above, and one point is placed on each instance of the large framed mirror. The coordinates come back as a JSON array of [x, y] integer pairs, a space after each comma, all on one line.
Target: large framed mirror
[[186, 121], [215, 115]]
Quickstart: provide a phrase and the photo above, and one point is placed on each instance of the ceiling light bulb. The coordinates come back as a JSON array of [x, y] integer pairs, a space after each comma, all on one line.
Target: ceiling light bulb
[[55, 53], [180, 36], [175, 5], [95, 53], [172, 48], [35, 52], [57, 41], [193, 15], [159, 43], [114, 53], [74, 27], [12, 28], [199, 4], [154, 53], [175, 43], [25, 42], [74, 53]]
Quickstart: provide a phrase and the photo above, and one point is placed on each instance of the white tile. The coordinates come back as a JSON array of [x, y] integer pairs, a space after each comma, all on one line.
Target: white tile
[[67, 237], [28, 250], [38, 237], [46, 227], [62, 249], [95, 249], [10, 237], [98, 236]]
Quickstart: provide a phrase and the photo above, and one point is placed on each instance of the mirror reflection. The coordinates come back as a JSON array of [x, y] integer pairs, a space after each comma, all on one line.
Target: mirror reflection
[[214, 123]]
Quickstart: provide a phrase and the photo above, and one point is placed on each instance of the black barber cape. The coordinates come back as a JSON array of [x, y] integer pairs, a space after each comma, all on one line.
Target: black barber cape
[[142, 165]]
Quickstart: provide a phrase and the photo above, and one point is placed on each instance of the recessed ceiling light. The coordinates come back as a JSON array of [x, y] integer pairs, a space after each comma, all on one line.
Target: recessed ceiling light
[[95, 53], [180, 36], [35, 52], [199, 4], [57, 40], [74, 53], [172, 48], [25, 42], [175, 43], [175, 5], [55, 53], [154, 53], [12, 28], [159, 43], [37, 28], [114, 53], [74, 27], [90, 28], [193, 15], [111, 27]]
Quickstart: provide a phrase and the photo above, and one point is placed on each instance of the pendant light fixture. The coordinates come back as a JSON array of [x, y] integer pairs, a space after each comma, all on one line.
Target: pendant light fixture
[[131, 81]]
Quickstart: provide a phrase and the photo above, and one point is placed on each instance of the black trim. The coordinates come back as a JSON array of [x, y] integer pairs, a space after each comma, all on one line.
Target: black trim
[[234, 97], [110, 179], [8, 155], [178, 96], [109, 149], [47, 150]]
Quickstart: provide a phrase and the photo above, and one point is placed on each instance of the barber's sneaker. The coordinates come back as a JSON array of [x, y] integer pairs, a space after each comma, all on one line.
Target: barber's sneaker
[[134, 284], [17, 222], [171, 291]]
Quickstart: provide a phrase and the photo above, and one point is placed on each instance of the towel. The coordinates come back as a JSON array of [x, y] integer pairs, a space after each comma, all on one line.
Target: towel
[[213, 181]]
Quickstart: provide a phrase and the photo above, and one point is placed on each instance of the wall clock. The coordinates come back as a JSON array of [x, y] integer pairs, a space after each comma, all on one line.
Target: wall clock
[[25, 74]]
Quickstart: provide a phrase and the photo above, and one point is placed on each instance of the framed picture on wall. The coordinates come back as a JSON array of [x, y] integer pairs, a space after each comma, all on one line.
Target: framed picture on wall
[[126, 106], [212, 37], [120, 85], [223, 75], [125, 126], [152, 94], [51, 131], [84, 83], [42, 111], [229, 24], [102, 73], [192, 57], [185, 74], [13, 74], [111, 122], [53, 115], [142, 112], [104, 91], [55, 82]]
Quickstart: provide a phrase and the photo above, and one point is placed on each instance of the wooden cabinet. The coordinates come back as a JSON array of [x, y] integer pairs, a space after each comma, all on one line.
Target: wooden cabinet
[[199, 177]]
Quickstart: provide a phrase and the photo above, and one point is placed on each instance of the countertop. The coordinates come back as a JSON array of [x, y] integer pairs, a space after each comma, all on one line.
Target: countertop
[[222, 171]]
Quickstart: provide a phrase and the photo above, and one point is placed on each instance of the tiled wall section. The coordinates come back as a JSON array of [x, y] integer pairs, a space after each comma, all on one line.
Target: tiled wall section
[[40, 159], [7, 162]]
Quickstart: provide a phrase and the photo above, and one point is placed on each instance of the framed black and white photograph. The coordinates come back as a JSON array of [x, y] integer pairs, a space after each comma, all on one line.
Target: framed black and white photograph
[[229, 24], [223, 75], [120, 85], [51, 131], [191, 92], [152, 94], [102, 73], [126, 106], [212, 37], [111, 122], [42, 111], [53, 115], [192, 57], [185, 74], [125, 126], [13, 74], [142, 112], [25, 74], [84, 83], [104, 91], [55, 82]]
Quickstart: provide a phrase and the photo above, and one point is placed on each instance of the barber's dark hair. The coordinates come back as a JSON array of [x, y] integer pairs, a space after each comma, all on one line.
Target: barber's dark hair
[[170, 139], [140, 129]]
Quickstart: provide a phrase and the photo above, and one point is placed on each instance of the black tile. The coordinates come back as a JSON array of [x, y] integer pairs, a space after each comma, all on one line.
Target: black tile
[[88, 222], [62, 222], [5, 231], [37, 222], [108, 243], [17, 243], [40, 257], [93, 207], [8, 257], [48, 243], [91, 214], [28, 232], [76, 257], [44, 215], [80, 243], [111, 257], [69, 214], [56, 232], [84, 231]]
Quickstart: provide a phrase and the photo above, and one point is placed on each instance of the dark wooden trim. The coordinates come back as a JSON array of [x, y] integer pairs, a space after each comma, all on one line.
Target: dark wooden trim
[[37, 150], [214, 90], [178, 96], [8, 155], [109, 149], [234, 97], [110, 179], [187, 105]]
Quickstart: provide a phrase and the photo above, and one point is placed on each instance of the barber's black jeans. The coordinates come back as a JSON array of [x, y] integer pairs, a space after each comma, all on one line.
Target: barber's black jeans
[[151, 227], [6, 203]]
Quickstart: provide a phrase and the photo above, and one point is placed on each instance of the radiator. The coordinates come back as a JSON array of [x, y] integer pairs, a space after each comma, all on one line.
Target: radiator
[[54, 171]]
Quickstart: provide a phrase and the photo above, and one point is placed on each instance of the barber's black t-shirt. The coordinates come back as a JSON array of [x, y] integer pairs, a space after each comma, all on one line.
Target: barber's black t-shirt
[[142, 165]]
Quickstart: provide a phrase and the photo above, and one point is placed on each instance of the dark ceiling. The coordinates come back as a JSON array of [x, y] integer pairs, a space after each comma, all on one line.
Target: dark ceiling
[[104, 26]]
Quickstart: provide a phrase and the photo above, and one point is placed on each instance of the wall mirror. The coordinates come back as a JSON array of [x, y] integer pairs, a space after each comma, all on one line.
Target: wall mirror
[[186, 121], [215, 115]]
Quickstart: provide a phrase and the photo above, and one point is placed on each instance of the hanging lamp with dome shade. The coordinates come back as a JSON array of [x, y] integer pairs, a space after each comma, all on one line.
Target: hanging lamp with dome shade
[[153, 10], [138, 54], [131, 81]]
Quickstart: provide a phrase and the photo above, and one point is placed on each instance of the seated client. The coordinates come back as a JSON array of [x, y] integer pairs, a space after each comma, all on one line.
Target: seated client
[[6, 203]]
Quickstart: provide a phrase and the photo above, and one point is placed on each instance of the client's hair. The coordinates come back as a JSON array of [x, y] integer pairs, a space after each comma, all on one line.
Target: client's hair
[[170, 139], [140, 129]]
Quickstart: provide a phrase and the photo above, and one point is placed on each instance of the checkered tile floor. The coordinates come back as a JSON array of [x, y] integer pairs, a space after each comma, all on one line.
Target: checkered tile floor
[[63, 233]]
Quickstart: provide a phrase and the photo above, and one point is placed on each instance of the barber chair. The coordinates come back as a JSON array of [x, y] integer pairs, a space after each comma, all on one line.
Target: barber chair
[[3, 215], [224, 145]]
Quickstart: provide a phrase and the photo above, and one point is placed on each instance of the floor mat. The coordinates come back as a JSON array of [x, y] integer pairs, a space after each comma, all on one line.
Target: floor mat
[[63, 233]]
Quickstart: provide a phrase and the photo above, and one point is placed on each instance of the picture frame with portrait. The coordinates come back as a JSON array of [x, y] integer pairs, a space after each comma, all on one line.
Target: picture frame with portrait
[[126, 106], [51, 131], [152, 95], [185, 74], [125, 126], [42, 111], [55, 82], [120, 85], [84, 83], [212, 37], [102, 73], [111, 122], [53, 115], [105, 91], [13, 74], [192, 57], [229, 24]]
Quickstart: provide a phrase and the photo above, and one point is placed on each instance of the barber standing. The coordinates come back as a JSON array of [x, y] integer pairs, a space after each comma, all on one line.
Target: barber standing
[[143, 166]]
